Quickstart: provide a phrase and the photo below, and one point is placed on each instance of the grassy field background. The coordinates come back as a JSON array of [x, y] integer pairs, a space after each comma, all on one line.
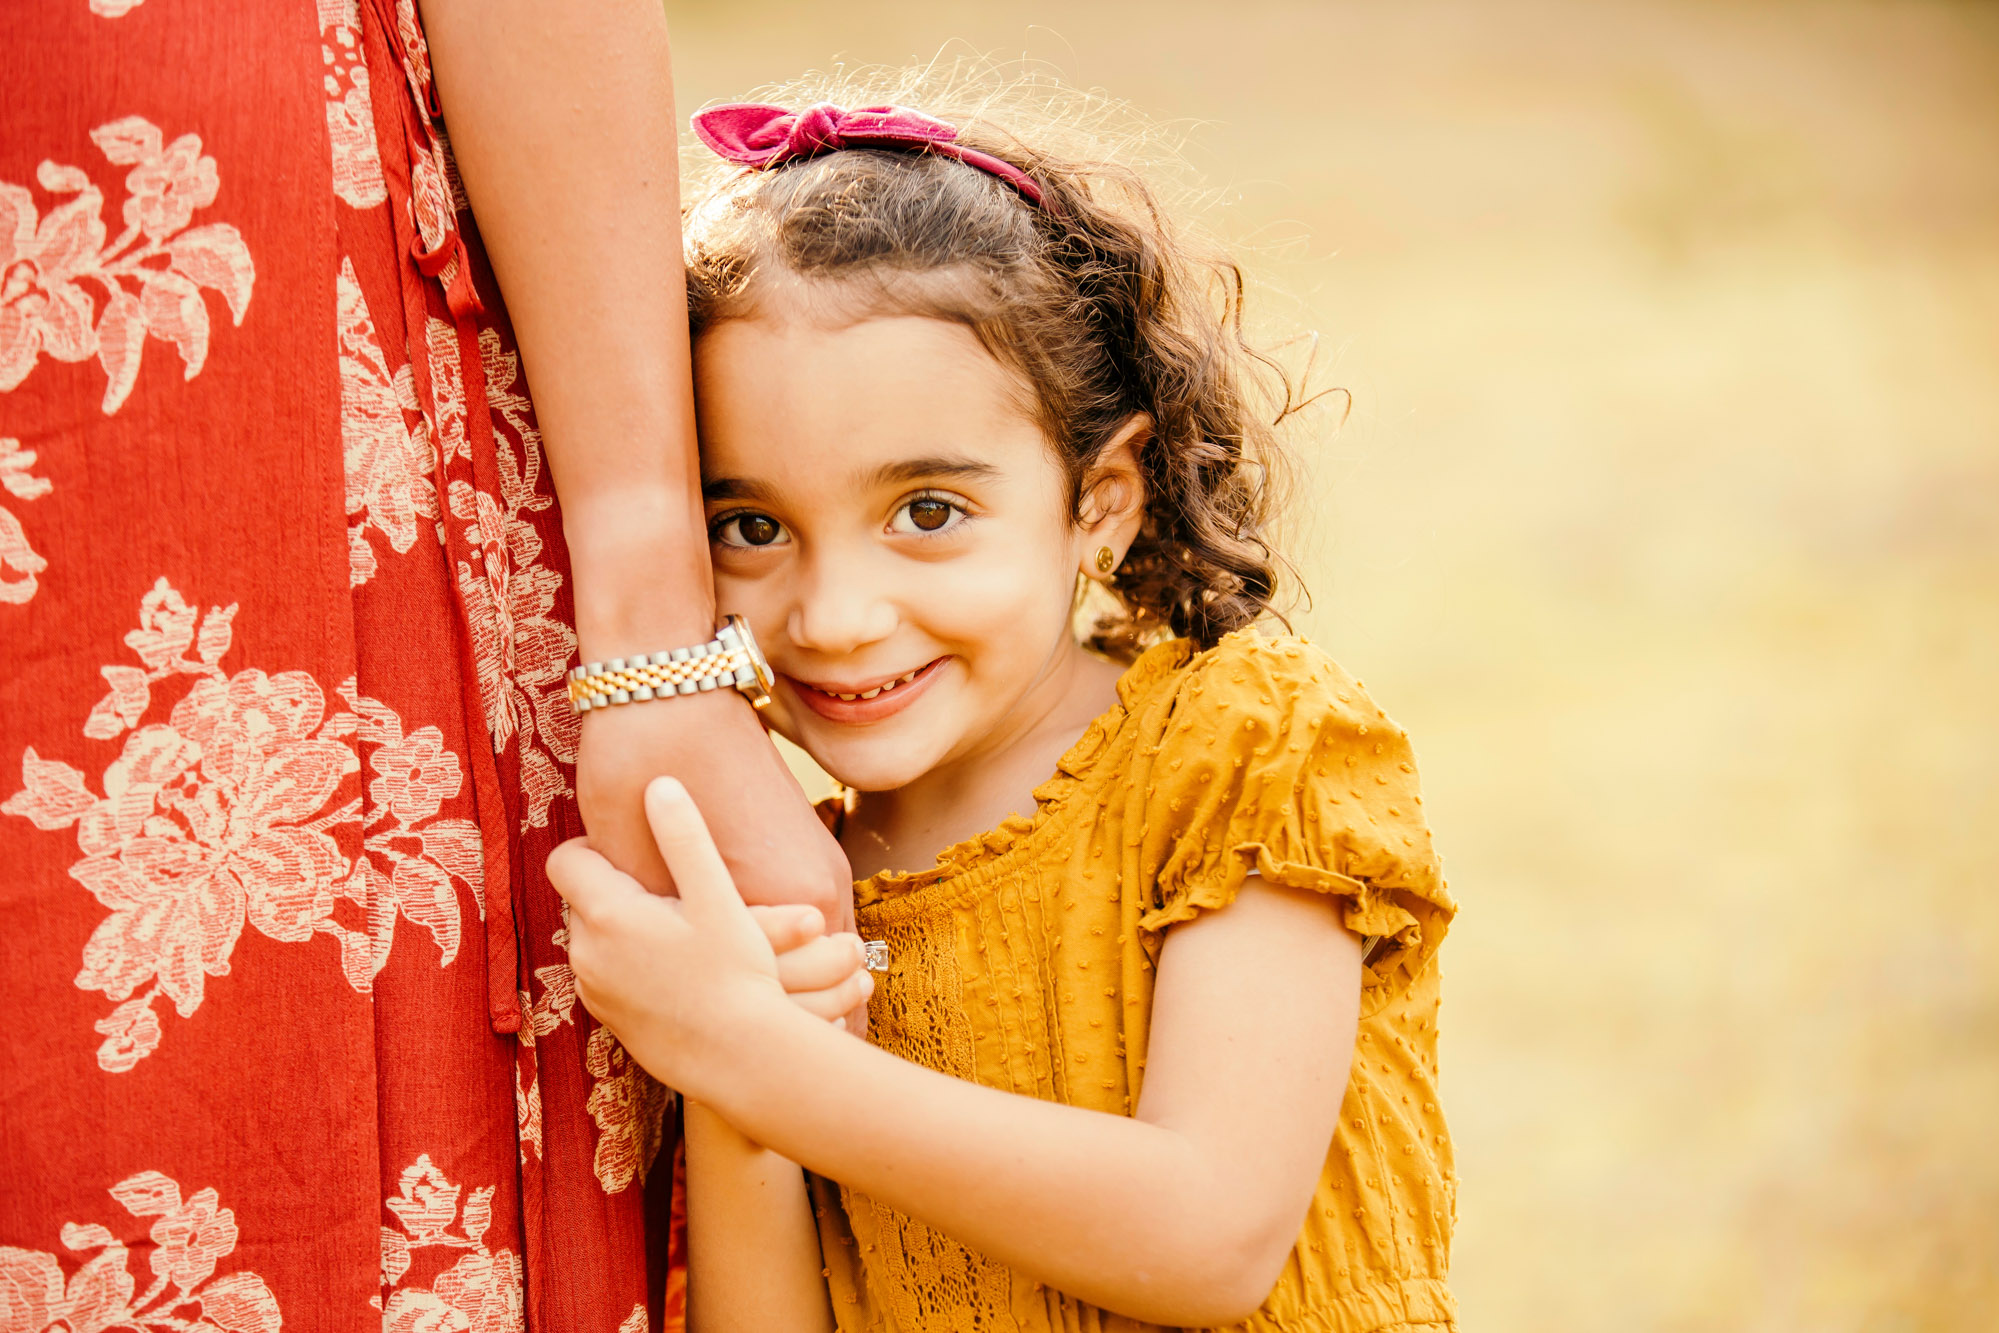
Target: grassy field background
[[1667, 520]]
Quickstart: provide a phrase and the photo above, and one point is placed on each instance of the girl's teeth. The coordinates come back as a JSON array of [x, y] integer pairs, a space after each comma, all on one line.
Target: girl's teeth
[[879, 689]]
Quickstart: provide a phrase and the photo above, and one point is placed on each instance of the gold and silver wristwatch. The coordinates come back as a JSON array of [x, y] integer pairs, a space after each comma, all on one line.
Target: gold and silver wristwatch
[[731, 659]]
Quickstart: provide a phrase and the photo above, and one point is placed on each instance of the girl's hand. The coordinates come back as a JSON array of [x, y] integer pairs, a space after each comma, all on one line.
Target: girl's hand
[[683, 983], [776, 850], [825, 975]]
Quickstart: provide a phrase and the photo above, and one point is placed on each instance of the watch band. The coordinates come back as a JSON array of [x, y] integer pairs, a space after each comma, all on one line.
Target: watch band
[[729, 659]]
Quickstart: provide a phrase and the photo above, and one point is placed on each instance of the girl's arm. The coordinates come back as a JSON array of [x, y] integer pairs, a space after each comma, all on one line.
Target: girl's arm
[[753, 1260], [562, 122], [1181, 1214], [753, 1246]]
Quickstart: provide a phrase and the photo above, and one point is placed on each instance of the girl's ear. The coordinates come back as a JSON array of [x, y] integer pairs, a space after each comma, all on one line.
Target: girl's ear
[[1113, 505]]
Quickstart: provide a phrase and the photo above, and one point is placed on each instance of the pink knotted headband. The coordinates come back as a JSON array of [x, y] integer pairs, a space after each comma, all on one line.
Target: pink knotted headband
[[757, 136]]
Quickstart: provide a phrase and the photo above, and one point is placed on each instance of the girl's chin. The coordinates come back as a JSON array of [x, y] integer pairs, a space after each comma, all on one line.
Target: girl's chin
[[876, 764], [867, 773]]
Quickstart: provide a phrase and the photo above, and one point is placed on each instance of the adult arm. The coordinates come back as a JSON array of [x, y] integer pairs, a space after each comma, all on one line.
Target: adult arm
[[1181, 1214], [562, 121]]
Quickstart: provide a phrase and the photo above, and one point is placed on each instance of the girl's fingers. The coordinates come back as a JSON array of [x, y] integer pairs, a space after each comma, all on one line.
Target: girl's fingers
[[823, 963], [707, 892], [587, 882], [788, 926], [835, 1002]]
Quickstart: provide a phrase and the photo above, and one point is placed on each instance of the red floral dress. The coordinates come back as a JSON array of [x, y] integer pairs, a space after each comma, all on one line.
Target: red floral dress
[[290, 1035]]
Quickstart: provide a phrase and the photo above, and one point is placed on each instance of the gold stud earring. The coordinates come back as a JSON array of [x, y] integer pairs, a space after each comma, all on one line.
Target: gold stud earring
[[1106, 560]]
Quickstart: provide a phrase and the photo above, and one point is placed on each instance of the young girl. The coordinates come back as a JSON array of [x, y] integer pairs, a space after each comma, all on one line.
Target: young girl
[[1127, 1065]]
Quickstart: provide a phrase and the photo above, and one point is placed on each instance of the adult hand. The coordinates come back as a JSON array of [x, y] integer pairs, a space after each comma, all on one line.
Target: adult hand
[[774, 846]]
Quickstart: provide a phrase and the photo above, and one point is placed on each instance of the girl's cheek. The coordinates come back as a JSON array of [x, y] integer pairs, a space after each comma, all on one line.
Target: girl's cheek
[[1011, 578], [966, 596], [757, 596]]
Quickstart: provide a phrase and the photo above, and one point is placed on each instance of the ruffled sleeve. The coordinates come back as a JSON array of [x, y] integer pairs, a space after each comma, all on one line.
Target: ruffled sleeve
[[1267, 758]]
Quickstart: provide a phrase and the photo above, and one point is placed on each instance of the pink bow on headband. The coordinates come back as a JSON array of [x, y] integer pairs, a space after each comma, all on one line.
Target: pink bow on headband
[[755, 135]]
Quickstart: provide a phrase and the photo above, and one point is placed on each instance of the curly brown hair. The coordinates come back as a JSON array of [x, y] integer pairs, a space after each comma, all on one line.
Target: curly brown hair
[[1101, 304]]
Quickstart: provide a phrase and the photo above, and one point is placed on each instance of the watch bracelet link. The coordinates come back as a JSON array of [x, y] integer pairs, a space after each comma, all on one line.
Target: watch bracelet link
[[722, 661]]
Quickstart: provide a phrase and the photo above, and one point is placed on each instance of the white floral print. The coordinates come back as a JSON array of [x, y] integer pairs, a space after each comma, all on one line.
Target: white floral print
[[540, 1016], [350, 116], [436, 197], [189, 1239], [629, 1106], [387, 458], [413, 776], [447, 389], [481, 1293], [224, 814], [520, 648], [15, 553], [54, 268]]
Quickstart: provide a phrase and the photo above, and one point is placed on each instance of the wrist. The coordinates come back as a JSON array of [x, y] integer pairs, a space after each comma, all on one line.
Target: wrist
[[751, 1058], [640, 573]]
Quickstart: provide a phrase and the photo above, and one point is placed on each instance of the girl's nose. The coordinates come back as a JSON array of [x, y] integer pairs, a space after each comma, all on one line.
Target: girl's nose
[[840, 610]]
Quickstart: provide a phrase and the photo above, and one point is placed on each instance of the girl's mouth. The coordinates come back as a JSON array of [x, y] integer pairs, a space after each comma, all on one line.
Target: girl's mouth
[[869, 703]]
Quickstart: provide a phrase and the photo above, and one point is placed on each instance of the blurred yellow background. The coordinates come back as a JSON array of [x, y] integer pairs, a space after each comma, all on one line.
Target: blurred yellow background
[[1667, 521]]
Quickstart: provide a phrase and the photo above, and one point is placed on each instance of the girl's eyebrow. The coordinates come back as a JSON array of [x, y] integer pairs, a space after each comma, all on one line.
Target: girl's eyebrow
[[736, 488], [920, 469], [901, 472]]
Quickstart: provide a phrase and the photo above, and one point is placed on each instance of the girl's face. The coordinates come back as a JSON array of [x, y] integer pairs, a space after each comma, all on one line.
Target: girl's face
[[897, 530]]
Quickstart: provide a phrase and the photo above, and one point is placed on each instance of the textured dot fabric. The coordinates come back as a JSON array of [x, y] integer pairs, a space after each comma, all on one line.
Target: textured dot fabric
[[1024, 961]]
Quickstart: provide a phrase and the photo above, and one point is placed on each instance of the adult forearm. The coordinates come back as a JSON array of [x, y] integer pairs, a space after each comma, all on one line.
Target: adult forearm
[[562, 122], [561, 116], [753, 1249], [1130, 1216]]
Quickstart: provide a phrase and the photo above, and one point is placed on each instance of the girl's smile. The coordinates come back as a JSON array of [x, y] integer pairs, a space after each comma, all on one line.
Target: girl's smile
[[871, 701]]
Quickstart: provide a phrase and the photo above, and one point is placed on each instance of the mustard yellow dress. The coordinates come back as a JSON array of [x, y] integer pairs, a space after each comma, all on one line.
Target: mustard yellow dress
[[1024, 961]]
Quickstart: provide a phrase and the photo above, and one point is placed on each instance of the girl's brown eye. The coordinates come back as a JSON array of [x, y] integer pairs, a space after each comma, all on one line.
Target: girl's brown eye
[[929, 515], [748, 530]]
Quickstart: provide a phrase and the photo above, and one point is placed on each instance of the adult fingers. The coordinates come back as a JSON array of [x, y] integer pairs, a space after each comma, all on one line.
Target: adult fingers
[[836, 1002], [824, 962], [706, 890], [787, 926]]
